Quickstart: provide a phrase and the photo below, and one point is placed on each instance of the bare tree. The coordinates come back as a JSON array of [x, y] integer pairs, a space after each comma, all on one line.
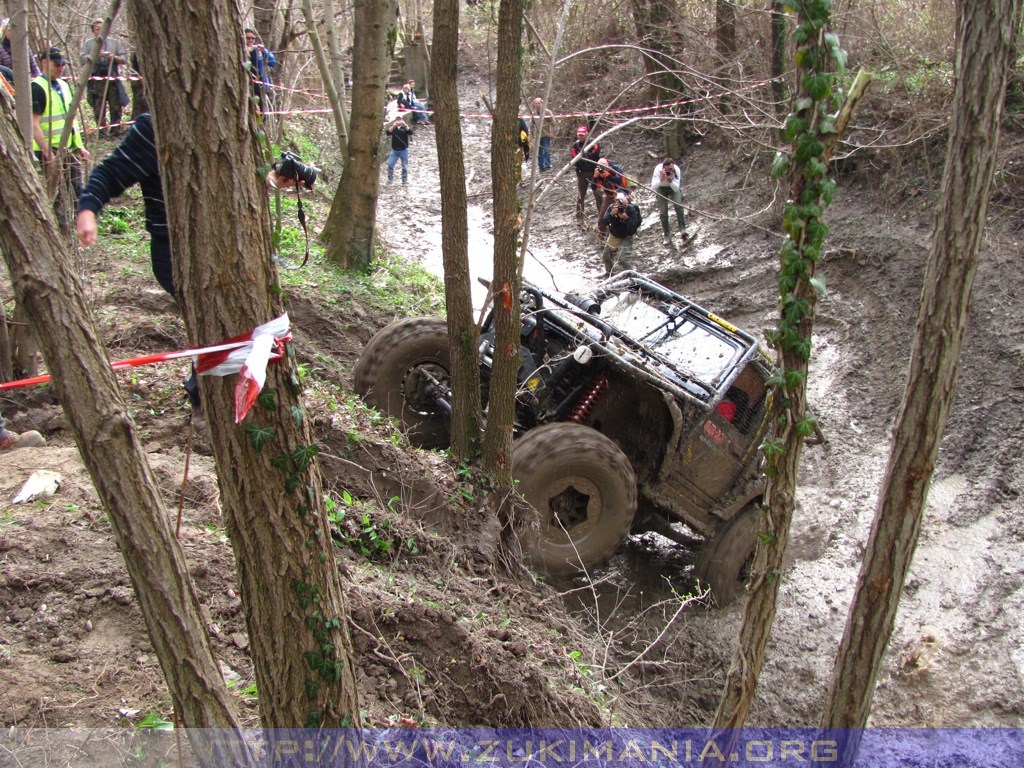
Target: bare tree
[[462, 331], [271, 493], [348, 232], [986, 33], [497, 459], [815, 129], [662, 47], [105, 433]]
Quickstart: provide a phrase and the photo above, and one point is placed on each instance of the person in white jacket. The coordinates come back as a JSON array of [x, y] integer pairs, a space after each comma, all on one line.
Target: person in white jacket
[[665, 183]]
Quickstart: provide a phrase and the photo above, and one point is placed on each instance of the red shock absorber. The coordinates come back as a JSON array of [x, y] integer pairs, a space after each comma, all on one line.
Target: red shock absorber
[[588, 399]]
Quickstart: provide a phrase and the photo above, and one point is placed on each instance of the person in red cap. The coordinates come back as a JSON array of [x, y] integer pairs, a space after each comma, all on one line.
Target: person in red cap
[[588, 157]]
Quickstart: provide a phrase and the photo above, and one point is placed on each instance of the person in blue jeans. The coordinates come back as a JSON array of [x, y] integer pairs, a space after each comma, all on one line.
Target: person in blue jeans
[[544, 140], [401, 136]]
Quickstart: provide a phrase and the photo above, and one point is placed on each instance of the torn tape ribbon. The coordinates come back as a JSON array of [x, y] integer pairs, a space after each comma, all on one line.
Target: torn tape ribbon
[[248, 356]]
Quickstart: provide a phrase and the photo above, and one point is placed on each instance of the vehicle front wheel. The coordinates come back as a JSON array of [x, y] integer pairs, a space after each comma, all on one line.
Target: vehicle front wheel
[[584, 490], [399, 372], [723, 564]]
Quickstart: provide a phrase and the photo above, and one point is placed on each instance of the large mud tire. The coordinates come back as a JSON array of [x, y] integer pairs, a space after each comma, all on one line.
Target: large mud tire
[[584, 490], [723, 564], [388, 376]]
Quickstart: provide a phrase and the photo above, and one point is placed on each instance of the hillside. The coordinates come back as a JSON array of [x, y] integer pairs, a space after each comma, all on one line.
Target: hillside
[[446, 633]]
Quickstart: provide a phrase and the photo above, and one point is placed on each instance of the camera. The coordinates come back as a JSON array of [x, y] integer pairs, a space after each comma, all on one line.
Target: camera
[[291, 167]]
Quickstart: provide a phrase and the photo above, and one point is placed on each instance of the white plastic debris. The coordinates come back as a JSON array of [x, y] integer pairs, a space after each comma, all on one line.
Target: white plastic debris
[[42, 483]]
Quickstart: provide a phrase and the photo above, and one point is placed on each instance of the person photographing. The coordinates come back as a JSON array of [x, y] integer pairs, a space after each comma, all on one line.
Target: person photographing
[[621, 221]]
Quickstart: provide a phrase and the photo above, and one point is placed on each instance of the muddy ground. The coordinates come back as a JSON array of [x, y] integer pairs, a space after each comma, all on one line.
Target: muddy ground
[[445, 636]]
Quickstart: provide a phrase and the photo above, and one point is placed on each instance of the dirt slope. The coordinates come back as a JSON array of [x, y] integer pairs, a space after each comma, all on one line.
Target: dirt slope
[[441, 632]]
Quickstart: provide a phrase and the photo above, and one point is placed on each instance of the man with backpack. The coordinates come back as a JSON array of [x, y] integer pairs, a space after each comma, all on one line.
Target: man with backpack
[[621, 221]]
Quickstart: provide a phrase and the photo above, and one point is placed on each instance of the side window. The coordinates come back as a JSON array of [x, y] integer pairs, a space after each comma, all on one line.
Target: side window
[[744, 401]]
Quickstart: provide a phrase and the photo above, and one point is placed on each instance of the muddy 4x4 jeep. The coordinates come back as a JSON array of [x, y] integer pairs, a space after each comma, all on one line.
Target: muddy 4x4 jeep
[[636, 409]]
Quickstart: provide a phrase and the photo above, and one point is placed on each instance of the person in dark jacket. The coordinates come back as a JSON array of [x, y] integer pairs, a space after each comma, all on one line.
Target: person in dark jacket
[[401, 136], [621, 220], [133, 161], [588, 157]]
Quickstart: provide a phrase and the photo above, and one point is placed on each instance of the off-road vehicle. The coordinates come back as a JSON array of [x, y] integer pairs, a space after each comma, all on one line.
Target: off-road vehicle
[[636, 409]]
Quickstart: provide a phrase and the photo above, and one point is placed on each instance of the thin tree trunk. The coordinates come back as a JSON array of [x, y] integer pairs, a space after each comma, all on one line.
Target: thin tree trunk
[[349, 230], [986, 34], [655, 22], [271, 494], [798, 296], [328, 75], [462, 331], [22, 73], [497, 458], [53, 298], [778, 56]]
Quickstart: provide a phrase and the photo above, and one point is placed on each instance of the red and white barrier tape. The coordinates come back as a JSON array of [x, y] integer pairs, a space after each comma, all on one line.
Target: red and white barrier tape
[[247, 354]]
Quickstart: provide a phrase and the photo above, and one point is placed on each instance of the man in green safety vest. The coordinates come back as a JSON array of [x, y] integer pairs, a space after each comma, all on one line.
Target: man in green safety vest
[[51, 99]]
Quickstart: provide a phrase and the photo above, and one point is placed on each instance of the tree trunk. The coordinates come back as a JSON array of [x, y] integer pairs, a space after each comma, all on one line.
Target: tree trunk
[[462, 330], [655, 22], [270, 485], [497, 459], [19, 63], [53, 298], [348, 232], [725, 31], [815, 131], [329, 73], [986, 34], [778, 62]]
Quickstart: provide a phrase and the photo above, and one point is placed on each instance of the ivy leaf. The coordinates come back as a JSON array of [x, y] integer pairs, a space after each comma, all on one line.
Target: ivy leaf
[[818, 284], [805, 427], [268, 399], [780, 165], [258, 435]]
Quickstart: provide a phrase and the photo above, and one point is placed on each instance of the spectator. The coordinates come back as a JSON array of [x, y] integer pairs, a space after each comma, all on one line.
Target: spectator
[[666, 185], [609, 180], [543, 134], [401, 136], [11, 441], [133, 161], [261, 60], [51, 98], [524, 139], [621, 221], [5, 50], [407, 103], [8, 81], [106, 91], [421, 115], [588, 157]]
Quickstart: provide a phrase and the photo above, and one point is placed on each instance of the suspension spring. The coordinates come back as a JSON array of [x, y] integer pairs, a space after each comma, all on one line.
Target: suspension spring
[[588, 399]]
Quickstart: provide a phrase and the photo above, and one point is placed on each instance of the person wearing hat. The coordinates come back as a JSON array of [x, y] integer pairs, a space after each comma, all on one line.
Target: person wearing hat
[[106, 91], [51, 98], [621, 221], [585, 165], [5, 50]]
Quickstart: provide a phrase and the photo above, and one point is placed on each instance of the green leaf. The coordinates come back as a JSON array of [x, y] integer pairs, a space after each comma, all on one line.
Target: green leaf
[[268, 399], [258, 434], [780, 165], [818, 284]]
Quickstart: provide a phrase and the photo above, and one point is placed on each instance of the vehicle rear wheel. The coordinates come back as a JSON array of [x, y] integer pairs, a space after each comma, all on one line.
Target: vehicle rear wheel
[[723, 564], [397, 372], [584, 490]]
